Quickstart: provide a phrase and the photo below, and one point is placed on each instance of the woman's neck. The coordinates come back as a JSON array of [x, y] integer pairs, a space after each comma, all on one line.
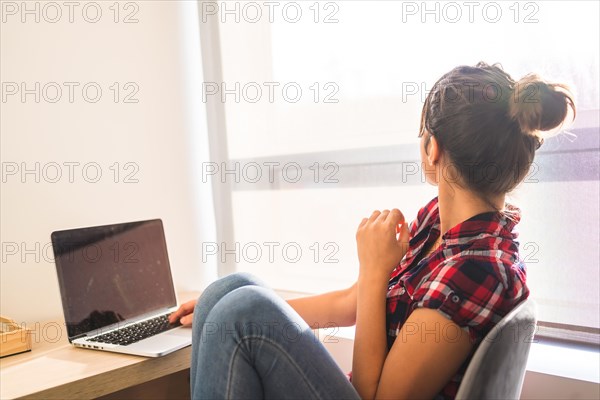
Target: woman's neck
[[457, 205]]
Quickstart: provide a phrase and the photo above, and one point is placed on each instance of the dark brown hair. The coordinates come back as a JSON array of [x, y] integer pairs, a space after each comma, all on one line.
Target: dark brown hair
[[490, 126]]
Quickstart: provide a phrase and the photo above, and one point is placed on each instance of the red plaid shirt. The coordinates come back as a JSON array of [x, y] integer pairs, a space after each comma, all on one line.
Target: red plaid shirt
[[474, 278]]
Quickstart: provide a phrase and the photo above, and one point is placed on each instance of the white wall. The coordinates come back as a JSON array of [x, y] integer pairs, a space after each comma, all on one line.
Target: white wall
[[163, 135]]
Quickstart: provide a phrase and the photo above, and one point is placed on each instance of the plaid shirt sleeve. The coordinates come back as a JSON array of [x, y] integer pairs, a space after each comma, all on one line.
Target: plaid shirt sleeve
[[468, 292]]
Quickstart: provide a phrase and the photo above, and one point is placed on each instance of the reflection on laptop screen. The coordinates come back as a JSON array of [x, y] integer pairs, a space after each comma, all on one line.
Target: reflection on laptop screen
[[112, 273]]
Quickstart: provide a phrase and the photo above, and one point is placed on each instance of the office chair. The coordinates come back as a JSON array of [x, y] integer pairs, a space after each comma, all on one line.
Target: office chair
[[497, 368]]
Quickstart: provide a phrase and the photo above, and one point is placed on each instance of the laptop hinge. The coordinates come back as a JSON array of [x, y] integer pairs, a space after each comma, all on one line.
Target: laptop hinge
[[77, 337]]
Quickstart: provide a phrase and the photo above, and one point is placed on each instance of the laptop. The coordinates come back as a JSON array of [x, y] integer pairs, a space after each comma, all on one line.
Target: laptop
[[117, 290]]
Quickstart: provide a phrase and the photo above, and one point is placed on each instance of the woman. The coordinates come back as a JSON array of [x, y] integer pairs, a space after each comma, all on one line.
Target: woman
[[427, 294]]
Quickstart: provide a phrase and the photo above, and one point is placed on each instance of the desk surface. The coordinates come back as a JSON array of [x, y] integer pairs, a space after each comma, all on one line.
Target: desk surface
[[56, 370]]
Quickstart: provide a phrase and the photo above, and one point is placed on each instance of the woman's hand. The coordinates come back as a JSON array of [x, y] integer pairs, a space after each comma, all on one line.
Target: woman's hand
[[382, 242], [185, 313]]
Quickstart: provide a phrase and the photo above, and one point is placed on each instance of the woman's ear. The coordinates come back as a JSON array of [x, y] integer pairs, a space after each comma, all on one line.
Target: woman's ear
[[433, 151]]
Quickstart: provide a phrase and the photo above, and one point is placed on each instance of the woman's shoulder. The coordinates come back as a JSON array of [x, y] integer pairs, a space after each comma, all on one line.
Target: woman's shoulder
[[473, 274], [491, 269], [473, 290]]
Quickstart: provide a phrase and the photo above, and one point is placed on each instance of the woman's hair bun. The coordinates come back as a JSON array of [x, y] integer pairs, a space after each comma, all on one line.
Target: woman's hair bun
[[538, 105]]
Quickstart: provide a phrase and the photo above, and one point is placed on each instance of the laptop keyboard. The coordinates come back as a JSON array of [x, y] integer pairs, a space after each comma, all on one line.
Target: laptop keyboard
[[135, 333]]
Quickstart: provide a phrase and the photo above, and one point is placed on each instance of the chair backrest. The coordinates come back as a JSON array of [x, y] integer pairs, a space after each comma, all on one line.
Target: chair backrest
[[497, 368]]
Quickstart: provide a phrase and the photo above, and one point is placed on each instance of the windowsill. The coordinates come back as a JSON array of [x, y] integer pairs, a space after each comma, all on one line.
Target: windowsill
[[565, 360], [551, 358]]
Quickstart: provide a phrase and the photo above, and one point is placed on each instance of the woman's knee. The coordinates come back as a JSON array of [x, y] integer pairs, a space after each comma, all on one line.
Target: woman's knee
[[234, 281], [248, 302], [244, 279], [215, 292], [222, 286], [250, 312]]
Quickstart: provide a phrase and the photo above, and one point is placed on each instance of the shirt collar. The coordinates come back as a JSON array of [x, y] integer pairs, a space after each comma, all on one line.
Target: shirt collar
[[492, 223], [495, 223]]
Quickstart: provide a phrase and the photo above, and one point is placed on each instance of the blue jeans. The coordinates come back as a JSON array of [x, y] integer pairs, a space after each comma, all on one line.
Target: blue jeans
[[249, 343]]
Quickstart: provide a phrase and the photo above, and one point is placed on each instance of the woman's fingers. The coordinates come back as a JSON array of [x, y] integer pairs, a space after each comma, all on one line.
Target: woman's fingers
[[184, 309], [382, 241], [395, 217], [404, 235], [374, 215], [383, 215], [363, 222], [187, 320]]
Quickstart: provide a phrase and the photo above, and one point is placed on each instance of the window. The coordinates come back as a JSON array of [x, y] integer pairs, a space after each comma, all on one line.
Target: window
[[322, 103]]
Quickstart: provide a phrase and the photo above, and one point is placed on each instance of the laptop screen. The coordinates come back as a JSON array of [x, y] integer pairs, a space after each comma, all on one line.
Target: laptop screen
[[111, 273]]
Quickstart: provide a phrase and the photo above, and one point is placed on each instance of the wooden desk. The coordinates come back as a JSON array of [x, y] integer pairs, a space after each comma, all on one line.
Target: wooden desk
[[61, 371]]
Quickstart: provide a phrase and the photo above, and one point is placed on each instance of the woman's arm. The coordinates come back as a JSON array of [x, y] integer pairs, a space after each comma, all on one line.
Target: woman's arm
[[426, 354], [380, 248], [370, 341], [337, 308], [429, 348]]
